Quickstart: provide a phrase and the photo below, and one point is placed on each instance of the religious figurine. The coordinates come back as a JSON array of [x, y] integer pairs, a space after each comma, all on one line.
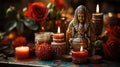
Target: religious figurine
[[79, 29]]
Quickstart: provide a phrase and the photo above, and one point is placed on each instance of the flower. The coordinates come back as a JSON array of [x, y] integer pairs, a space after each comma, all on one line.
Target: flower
[[59, 4], [18, 21], [37, 11], [19, 41]]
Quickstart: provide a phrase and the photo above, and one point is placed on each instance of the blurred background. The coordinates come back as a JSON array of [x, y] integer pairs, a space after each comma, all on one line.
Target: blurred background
[[105, 7]]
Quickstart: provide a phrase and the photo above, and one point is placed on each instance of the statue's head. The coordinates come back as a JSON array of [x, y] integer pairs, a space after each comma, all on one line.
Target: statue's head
[[81, 14]]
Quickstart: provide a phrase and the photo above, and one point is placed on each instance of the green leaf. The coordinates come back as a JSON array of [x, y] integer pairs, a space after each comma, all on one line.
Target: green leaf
[[1, 35], [4, 34], [50, 5], [30, 24], [10, 25], [20, 26], [98, 43], [11, 12]]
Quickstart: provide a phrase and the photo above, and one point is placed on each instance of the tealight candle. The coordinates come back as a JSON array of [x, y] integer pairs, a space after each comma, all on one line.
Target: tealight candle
[[79, 56], [22, 52]]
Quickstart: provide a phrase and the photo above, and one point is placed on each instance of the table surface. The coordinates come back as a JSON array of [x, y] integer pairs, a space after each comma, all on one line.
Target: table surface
[[12, 62]]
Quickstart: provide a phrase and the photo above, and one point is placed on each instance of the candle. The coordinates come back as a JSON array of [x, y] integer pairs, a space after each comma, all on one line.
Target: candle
[[58, 35], [97, 19], [79, 56], [82, 53], [22, 52], [59, 48]]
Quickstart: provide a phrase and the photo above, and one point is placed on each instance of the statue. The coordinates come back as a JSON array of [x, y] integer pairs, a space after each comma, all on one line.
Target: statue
[[79, 29]]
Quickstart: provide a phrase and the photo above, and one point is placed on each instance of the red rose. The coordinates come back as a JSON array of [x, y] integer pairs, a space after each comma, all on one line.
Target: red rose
[[37, 11], [59, 4]]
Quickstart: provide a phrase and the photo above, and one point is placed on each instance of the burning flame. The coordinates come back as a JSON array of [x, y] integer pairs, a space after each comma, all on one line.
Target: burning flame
[[58, 31], [81, 48], [97, 8], [42, 28], [110, 14]]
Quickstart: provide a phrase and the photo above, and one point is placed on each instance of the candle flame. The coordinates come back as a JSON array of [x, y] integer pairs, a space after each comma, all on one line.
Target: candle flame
[[81, 48], [97, 8], [110, 14], [42, 28], [11, 35], [58, 31]]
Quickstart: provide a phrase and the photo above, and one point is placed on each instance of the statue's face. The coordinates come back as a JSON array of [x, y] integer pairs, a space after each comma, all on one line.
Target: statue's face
[[81, 17]]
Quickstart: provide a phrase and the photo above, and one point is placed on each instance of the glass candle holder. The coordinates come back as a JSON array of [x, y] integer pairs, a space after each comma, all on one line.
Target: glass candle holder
[[42, 37]]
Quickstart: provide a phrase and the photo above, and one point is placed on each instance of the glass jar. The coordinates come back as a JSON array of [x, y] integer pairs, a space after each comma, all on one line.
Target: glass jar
[[42, 37]]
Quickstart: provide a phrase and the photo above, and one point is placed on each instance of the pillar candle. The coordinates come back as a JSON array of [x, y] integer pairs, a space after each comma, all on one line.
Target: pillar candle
[[58, 35], [22, 52], [97, 19]]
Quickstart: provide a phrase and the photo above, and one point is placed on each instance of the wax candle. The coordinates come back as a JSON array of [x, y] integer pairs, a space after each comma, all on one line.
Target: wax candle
[[97, 19], [22, 52], [58, 35], [82, 53], [79, 56]]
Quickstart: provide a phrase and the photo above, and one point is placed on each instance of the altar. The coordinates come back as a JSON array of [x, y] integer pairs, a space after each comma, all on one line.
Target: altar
[[59, 33]]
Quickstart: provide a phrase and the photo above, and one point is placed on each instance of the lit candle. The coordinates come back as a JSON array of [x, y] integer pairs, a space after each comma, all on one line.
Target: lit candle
[[58, 35], [97, 19], [110, 14], [79, 56], [42, 29], [22, 52], [82, 53]]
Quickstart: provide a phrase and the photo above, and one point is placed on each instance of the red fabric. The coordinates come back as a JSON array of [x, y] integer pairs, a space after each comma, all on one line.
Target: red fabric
[[112, 46]]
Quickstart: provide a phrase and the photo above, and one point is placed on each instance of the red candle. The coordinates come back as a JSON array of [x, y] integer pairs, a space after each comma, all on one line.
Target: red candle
[[58, 35], [22, 52], [79, 56], [82, 53]]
